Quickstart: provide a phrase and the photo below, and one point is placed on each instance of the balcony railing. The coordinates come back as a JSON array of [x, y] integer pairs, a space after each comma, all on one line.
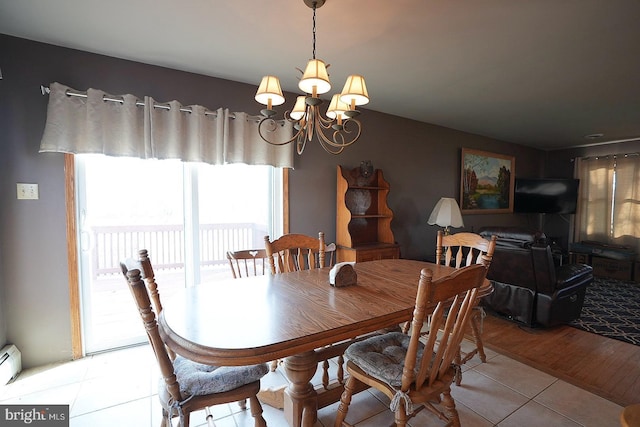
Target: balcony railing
[[166, 243]]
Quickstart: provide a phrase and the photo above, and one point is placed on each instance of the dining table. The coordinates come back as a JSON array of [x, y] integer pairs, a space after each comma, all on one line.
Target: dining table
[[295, 316]]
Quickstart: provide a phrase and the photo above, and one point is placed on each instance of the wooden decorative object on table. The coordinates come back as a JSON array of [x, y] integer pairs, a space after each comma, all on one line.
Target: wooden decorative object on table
[[342, 275]]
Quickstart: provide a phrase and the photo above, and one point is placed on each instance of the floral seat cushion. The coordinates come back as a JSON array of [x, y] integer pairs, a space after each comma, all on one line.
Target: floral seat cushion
[[382, 356], [199, 379]]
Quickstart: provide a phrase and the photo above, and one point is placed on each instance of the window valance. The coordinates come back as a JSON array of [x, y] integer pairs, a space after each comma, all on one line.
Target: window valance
[[123, 125]]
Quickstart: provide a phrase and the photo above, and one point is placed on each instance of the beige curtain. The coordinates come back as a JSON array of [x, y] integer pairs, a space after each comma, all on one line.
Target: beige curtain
[[123, 125], [609, 201], [626, 213]]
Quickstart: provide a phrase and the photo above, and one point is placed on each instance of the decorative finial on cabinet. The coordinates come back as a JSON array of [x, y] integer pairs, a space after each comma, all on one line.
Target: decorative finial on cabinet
[[366, 168]]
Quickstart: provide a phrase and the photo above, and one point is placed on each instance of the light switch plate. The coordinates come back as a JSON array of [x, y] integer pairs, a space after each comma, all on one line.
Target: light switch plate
[[27, 191]]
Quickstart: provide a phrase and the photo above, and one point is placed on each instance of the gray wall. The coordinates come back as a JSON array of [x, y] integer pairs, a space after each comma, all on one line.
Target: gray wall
[[421, 162]]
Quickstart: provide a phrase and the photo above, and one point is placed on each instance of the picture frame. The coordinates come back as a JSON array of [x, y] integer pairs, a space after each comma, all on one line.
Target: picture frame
[[487, 182]]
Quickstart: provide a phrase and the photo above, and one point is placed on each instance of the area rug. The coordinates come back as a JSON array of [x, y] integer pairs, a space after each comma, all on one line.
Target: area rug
[[612, 309]]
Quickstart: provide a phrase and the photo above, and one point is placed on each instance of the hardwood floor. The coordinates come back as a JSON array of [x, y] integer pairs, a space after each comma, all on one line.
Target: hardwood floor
[[603, 366]]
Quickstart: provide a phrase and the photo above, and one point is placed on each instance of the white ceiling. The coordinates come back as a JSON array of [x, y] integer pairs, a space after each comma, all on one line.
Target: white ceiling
[[543, 73]]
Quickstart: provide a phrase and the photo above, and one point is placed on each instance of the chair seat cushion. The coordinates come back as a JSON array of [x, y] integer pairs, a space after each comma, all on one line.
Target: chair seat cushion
[[382, 356], [199, 379]]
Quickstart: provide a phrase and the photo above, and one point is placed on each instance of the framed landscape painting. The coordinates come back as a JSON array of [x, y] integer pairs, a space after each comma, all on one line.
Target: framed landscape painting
[[486, 182]]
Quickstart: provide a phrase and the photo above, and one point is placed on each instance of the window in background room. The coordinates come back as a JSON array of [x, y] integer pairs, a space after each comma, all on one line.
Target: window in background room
[[610, 200], [186, 215]]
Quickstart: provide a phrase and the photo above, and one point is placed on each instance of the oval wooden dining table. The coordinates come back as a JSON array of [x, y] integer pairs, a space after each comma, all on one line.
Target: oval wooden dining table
[[290, 316]]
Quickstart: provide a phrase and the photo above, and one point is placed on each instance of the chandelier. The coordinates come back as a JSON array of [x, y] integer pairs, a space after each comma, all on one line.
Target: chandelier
[[338, 129]]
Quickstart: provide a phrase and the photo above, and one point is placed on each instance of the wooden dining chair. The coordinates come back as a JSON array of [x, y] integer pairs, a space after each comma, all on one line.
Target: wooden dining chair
[[248, 262], [329, 255], [149, 278], [463, 249], [253, 262], [295, 252], [143, 263], [460, 250], [189, 386], [630, 416], [404, 368]]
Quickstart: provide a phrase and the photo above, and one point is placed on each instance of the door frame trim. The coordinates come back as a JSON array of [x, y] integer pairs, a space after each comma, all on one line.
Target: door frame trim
[[72, 255]]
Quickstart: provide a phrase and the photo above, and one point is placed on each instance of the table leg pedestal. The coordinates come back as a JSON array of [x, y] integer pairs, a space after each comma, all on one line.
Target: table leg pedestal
[[300, 398]]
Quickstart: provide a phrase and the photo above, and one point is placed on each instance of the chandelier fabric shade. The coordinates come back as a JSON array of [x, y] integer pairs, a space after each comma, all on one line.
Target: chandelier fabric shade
[[337, 108], [315, 79], [269, 92], [299, 109], [355, 91], [338, 130]]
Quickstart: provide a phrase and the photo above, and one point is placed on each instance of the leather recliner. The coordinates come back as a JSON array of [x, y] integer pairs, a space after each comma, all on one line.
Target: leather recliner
[[528, 285]]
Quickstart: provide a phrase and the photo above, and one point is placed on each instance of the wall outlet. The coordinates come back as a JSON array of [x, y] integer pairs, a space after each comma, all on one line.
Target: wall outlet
[[27, 191]]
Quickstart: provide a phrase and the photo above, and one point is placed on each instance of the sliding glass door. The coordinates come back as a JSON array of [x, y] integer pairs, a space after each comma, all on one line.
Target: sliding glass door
[[186, 215]]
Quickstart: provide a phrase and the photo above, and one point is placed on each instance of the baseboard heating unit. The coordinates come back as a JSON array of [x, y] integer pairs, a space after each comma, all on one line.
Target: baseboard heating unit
[[10, 363]]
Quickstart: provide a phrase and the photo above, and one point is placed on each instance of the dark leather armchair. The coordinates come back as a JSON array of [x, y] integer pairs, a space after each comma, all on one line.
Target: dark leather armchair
[[528, 285]]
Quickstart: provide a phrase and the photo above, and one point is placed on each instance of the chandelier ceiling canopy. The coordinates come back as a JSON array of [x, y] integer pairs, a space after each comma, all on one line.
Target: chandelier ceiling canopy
[[338, 129]]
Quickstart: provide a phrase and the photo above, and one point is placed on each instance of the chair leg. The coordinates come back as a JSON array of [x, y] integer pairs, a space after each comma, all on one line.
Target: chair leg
[[479, 349], [345, 401], [208, 417], [242, 404], [256, 412], [405, 327], [477, 337], [400, 416], [450, 408], [457, 361], [163, 422], [274, 365]]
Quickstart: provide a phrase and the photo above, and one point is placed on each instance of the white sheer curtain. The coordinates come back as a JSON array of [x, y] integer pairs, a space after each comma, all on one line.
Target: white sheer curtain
[[626, 214], [609, 203], [123, 125]]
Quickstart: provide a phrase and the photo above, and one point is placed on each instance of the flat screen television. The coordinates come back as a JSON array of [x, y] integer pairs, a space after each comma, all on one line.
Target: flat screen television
[[559, 196]]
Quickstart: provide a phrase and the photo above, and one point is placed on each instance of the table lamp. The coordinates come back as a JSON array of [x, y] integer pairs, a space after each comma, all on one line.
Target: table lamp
[[446, 214]]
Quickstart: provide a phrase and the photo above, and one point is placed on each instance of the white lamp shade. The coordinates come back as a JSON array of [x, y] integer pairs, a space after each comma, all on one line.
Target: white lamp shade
[[299, 109], [355, 91], [269, 89], [336, 108], [315, 75], [446, 213]]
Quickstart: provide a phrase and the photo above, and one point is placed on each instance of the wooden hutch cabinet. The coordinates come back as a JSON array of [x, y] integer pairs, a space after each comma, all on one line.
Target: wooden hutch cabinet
[[363, 219]]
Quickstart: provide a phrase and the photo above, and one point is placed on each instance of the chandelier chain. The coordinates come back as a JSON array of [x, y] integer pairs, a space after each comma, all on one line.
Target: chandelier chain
[[314, 30]]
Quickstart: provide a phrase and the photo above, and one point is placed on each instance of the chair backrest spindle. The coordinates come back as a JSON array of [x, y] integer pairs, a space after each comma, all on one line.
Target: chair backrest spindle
[[463, 249], [248, 262], [295, 252], [149, 278]]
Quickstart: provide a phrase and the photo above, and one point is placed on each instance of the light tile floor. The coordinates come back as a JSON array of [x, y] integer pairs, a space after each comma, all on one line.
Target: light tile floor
[[118, 388]]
